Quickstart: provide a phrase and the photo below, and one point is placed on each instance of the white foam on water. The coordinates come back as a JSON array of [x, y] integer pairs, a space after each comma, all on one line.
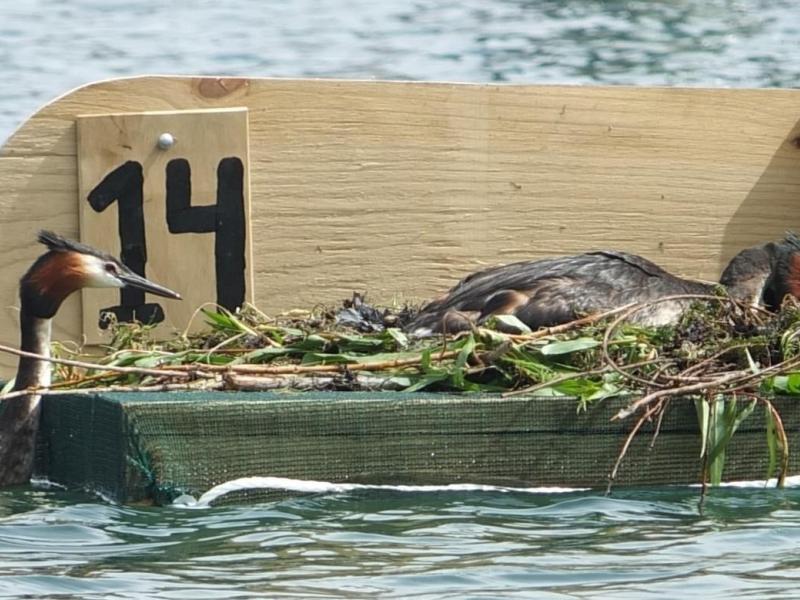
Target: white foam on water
[[303, 486], [789, 482], [324, 487], [43, 482]]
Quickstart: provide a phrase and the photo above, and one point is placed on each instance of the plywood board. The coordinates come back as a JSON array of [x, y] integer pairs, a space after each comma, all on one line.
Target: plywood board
[[177, 214], [400, 188]]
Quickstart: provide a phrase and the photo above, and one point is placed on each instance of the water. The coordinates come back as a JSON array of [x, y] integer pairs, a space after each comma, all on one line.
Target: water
[[635, 544], [50, 46], [368, 544]]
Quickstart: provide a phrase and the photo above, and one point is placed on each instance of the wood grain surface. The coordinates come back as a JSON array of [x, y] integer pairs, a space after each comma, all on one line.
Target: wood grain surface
[[183, 262], [401, 188]]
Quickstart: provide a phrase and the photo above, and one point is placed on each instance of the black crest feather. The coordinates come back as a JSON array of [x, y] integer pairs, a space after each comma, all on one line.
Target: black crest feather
[[57, 243], [792, 240]]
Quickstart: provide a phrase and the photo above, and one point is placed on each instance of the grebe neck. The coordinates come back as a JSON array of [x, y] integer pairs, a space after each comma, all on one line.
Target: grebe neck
[[19, 417], [35, 335]]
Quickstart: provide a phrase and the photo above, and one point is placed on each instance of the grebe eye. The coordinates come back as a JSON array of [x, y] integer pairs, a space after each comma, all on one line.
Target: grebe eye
[[112, 268]]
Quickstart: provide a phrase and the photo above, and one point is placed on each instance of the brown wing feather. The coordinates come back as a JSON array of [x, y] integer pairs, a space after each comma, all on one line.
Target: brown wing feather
[[557, 289]]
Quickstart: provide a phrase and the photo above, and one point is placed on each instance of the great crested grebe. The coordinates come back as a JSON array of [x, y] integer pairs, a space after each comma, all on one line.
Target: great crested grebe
[[546, 292], [67, 266]]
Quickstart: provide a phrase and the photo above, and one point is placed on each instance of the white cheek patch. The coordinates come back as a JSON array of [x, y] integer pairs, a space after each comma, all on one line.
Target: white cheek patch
[[98, 277]]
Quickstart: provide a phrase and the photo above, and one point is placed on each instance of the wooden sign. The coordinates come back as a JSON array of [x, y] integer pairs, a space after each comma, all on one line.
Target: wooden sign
[[168, 193]]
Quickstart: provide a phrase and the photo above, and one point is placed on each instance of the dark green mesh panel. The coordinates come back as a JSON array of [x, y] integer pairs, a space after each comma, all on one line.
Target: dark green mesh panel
[[154, 446]]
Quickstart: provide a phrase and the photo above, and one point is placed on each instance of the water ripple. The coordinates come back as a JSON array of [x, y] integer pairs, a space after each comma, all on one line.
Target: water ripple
[[635, 544], [48, 47], [638, 543]]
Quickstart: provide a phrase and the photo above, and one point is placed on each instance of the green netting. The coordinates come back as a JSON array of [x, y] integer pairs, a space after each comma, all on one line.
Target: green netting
[[135, 447]]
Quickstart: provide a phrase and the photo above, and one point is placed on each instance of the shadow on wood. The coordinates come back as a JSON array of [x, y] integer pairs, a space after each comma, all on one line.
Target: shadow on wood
[[775, 193]]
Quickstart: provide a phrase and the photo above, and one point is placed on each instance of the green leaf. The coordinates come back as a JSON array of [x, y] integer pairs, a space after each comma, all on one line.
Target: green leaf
[[509, 323], [534, 369], [356, 343], [366, 359], [753, 366], [320, 358], [214, 359], [7, 387], [427, 380], [460, 365], [702, 408], [606, 390], [772, 442], [492, 338], [577, 387], [149, 361], [567, 346], [125, 359], [553, 392], [726, 418], [398, 381], [743, 414], [786, 384], [282, 332], [311, 343], [716, 464], [220, 320], [400, 338], [361, 359], [263, 355], [425, 361]]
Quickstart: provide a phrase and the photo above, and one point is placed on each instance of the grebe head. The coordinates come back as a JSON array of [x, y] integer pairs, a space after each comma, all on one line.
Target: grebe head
[[68, 266], [784, 278], [747, 273]]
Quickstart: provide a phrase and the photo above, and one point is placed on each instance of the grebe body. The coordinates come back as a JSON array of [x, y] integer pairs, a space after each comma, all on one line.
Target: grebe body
[[550, 291]]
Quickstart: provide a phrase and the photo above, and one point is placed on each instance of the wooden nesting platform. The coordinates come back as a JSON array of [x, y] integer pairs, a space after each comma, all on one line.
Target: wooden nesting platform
[[136, 447], [292, 193]]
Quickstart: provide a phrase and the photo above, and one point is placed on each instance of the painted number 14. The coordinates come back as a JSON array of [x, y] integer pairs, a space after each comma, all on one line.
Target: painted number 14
[[225, 219]]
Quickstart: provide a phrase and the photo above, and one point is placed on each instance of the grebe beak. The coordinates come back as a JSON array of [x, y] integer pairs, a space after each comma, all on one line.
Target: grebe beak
[[129, 278]]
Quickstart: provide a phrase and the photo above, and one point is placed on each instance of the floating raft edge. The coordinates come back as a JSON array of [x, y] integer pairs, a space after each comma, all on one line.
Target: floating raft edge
[[154, 447]]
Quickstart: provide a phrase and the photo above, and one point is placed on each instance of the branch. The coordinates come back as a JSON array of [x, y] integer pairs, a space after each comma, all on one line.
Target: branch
[[94, 366], [696, 387], [252, 383], [335, 368], [204, 384]]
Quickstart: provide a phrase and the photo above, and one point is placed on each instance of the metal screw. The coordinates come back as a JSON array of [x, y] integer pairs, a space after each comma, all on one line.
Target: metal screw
[[166, 141]]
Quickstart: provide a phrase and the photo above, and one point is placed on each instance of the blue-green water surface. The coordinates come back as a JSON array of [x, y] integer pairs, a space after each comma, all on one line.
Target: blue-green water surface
[[634, 544], [50, 46]]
